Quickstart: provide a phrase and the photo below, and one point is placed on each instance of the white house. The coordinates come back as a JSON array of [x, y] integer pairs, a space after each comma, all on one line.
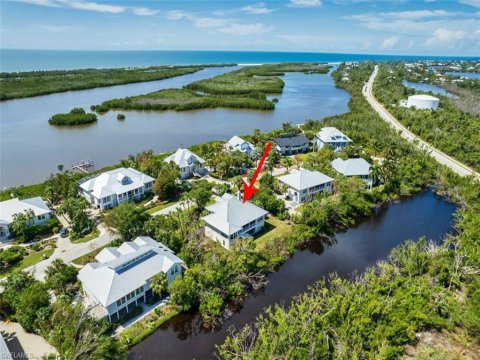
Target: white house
[[189, 163], [289, 144], [120, 279], [230, 219], [304, 184], [8, 208], [423, 102], [237, 143], [333, 137], [354, 167], [111, 188]]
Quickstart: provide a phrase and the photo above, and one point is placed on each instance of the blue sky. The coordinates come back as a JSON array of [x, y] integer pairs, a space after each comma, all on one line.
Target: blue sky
[[427, 27]]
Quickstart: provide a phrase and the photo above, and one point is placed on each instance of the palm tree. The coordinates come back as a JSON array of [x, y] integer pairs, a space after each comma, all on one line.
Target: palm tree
[[287, 162], [375, 171], [159, 284]]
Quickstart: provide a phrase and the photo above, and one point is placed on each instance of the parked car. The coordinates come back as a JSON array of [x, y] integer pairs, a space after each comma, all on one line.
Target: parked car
[[63, 232]]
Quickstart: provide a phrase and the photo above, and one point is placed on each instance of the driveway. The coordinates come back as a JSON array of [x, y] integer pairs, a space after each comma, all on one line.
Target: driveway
[[172, 208], [68, 251], [442, 158]]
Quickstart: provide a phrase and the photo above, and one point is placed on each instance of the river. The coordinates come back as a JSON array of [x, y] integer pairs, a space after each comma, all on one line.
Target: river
[[31, 149], [361, 246]]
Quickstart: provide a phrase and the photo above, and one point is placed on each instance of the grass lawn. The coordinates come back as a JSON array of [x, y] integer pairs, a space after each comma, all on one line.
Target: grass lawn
[[27, 261], [89, 257], [163, 205], [273, 228], [89, 237]]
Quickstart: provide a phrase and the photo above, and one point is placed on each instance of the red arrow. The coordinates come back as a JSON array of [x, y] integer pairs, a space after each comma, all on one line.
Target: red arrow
[[249, 190]]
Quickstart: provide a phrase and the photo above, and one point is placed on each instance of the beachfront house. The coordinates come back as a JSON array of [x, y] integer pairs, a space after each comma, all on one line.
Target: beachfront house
[[120, 278], [289, 144], [330, 136], [8, 208], [357, 167], [230, 219], [303, 185], [111, 188], [237, 143], [189, 163]]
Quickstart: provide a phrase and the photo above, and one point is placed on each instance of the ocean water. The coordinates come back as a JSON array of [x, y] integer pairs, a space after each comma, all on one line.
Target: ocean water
[[26, 60]]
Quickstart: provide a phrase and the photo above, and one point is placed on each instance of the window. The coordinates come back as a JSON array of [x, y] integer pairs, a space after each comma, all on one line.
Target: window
[[176, 269], [172, 271], [2, 231]]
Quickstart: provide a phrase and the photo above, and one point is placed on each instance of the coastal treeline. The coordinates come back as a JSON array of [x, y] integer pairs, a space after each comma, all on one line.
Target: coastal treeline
[[33, 83], [246, 88], [448, 128], [76, 116], [422, 287]]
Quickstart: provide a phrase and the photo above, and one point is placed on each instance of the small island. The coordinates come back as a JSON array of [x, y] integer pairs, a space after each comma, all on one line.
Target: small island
[[77, 116], [120, 116]]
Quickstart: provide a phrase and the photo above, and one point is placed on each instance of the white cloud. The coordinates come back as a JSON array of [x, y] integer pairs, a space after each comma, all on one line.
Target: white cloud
[[177, 15], [474, 3], [93, 6], [257, 9], [445, 38], [144, 11], [245, 29], [54, 28], [208, 22], [390, 42], [416, 14], [305, 3]]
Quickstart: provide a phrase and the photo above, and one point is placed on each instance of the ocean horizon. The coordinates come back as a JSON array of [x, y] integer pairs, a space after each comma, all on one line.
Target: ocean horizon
[[12, 60]]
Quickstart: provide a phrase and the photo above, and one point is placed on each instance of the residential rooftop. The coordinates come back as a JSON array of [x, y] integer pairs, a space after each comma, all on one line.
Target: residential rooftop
[[230, 214], [8, 208], [352, 167], [304, 179], [119, 271]]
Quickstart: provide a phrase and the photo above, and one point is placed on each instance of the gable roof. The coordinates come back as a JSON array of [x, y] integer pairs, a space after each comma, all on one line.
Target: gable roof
[[352, 167], [291, 140], [423, 97], [236, 143], [304, 179], [332, 135], [115, 181], [8, 208], [229, 214], [119, 271], [181, 157]]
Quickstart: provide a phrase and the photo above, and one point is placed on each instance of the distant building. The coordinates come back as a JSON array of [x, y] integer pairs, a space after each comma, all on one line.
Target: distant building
[[237, 143], [357, 167], [9, 208], [330, 136], [189, 163], [304, 184], [423, 102], [230, 219], [289, 144], [120, 279], [111, 188]]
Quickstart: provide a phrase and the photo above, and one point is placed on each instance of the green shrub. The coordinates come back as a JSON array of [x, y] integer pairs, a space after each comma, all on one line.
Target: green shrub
[[76, 116]]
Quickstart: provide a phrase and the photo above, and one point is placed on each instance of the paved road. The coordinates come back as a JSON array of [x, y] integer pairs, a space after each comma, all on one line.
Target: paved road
[[68, 251], [441, 157]]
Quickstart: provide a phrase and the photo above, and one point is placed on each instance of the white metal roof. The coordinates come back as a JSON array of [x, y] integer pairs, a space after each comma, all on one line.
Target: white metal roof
[[304, 179], [229, 214], [8, 208], [121, 270], [183, 158], [236, 143], [423, 97], [332, 135], [352, 167], [116, 182]]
